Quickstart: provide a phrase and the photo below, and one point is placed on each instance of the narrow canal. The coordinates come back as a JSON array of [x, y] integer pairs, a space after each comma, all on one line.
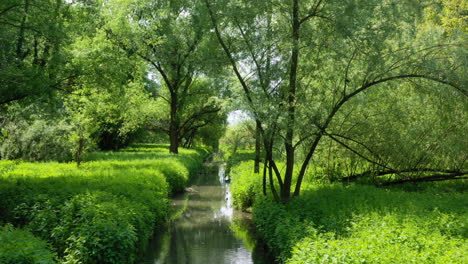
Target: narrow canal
[[204, 228]]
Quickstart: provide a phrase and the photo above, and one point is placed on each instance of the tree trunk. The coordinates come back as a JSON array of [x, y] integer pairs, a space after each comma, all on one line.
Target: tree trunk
[[174, 139], [305, 164], [174, 126], [264, 182], [288, 143], [257, 147]]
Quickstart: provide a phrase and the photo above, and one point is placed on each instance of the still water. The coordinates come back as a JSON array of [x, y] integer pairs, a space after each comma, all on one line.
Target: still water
[[205, 229]]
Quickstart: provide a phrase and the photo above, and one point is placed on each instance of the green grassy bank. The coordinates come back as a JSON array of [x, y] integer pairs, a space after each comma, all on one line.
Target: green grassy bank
[[335, 223], [102, 212]]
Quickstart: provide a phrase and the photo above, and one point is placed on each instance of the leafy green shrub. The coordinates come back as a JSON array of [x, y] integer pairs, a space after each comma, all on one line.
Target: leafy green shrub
[[102, 212], [122, 217], [176, 168], [101, 228], [277, 227], [376, 239], [39, 141], [21, 247], [245, 185], [233, 159], [365, 224]]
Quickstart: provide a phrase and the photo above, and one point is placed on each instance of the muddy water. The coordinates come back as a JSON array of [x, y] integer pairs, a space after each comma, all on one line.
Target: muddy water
[[205, 229]]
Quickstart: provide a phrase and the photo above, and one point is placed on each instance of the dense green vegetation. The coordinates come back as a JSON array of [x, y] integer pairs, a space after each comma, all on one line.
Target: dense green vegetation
[[365, 81], [21, 247], [335, 223], [371, 93], [246, 185], [102, 212]]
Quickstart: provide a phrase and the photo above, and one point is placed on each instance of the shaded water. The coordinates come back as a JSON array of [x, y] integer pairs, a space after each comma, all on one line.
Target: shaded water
[[205, 229]]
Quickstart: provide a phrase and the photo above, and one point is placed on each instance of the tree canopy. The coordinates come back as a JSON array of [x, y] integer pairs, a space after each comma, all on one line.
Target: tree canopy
[[374, 86], [314, 71]]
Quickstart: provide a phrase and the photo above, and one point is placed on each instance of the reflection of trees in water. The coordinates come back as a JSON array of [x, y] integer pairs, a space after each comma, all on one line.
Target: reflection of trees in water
[[208, 176], [244, 229], [200, 234], [209, 242]]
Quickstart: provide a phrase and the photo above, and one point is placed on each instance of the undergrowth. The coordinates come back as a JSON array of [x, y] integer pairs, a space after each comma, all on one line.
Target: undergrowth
[[102, 212], [336, 223]]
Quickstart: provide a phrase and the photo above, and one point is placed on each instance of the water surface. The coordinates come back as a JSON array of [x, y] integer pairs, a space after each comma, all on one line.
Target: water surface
[[205, 228]]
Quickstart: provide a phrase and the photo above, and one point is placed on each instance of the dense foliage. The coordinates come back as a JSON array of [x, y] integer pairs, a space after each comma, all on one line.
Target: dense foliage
[[355, 91], [374, 79], [102, 212], [87, 73], [359, 224], [246, 185], [21, 247]]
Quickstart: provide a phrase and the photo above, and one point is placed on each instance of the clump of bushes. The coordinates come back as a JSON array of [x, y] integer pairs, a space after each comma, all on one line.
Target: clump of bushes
[[102, 212], [176, 168], [335, 223], [234, 159], [99, 227], [37, 141], [390, 238], [365, 224], [245, 185], [21, 247]]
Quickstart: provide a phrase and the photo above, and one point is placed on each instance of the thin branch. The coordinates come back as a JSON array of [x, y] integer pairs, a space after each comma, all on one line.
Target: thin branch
[[164, 98], [357, 153], [359, 143], [408, 76], [303, 139], [26, 27], [252, 54], [313, 13], [8, 9], [348, 66], [14, 98], [197, 115], [230, 57]]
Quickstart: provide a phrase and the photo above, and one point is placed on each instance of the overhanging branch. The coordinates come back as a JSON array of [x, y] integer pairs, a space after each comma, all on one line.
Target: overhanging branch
[[432, 178], [387, 172]]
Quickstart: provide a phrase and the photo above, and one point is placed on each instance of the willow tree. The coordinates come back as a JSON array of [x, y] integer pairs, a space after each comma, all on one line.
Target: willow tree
[[202, 107], [328, 56], [172, 37]]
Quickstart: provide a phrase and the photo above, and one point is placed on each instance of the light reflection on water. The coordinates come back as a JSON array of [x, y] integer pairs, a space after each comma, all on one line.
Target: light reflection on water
[[226, 209], [201, 232]]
